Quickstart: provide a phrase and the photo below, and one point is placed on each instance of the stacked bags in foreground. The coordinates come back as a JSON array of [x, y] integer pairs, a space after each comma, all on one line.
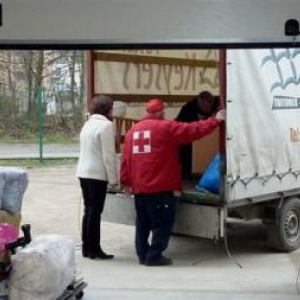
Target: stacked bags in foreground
[[43, 269], [13, 184]]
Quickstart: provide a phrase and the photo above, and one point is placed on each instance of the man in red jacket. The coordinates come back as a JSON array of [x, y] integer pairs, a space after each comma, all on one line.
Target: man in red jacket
[[151, 170]]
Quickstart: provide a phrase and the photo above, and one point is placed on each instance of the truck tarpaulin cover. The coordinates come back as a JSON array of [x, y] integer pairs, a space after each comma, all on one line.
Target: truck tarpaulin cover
[[263, 124]]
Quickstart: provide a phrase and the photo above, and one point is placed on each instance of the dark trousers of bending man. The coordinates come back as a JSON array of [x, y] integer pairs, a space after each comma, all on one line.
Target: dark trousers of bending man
[[156, 215]]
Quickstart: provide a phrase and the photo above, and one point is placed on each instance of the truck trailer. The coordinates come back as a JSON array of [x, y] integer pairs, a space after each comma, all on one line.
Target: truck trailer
[[259, 143]]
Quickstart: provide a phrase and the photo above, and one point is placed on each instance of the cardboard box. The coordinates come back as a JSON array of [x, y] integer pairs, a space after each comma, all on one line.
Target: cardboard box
[[204, 150]]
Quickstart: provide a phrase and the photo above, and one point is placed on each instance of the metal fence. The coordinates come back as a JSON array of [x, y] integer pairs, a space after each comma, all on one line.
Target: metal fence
[[41, 102], [50, 132]]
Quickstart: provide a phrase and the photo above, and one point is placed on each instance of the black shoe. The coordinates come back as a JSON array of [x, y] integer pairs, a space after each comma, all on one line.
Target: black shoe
[[161, 261], [85, 253], [141, 261], [100, 254]]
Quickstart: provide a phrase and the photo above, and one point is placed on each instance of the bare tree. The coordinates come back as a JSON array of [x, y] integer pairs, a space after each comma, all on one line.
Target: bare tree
[[60, 73]]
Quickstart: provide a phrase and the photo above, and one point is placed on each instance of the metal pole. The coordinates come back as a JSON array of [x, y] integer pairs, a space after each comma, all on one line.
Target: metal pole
[[40, 122]]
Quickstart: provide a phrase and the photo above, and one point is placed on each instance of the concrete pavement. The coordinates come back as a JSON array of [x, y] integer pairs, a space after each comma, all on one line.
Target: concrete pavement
[[29, 150], [201, 270]]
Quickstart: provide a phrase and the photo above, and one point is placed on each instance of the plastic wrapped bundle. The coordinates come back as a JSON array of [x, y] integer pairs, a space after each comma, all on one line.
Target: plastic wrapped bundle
[[210, 180], [43, 269], [15, 184], [2, 184]]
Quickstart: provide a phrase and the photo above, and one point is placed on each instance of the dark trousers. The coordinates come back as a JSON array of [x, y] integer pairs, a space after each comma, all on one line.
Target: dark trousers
[[185, 155], [155, 213], [94, 194]]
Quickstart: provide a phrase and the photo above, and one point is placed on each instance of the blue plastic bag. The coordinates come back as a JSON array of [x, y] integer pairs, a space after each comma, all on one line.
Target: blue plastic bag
[[210, 180]]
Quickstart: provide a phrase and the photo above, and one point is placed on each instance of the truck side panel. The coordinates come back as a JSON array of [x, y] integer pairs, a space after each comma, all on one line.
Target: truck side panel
[[193, 220], [143, 21], [263, 125]]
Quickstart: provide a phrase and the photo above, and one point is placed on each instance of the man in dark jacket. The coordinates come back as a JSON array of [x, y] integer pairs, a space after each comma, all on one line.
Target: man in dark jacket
[[199, 108], [150, 169]]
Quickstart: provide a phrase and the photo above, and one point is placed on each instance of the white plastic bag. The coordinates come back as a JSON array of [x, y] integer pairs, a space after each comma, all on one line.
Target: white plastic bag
[[43, 269], [2, 184], [15, 184]]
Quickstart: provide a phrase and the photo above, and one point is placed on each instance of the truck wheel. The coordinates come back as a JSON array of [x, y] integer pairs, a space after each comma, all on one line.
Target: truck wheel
[[285, 233]]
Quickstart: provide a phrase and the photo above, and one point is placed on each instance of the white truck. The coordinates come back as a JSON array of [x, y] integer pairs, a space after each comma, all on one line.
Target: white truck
[[259, 143], [260, 89]]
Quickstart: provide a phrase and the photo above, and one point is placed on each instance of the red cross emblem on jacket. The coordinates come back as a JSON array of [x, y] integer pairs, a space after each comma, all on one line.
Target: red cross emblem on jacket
[[141, 142]]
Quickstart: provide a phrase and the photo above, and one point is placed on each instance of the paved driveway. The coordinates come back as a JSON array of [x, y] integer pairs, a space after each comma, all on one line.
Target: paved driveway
[[24, 150], [201, 270]]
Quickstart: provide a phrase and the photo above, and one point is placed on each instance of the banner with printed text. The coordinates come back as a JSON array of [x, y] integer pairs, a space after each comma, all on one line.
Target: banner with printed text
[[263, 113], [170, 72]]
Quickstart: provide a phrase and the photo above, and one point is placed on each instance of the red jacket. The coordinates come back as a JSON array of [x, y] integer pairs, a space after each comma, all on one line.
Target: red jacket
[[150, 159]]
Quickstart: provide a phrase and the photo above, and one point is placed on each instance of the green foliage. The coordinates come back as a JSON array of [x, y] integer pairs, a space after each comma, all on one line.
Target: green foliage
[[18, 137], [38, 82], [8, 107], [60, 138], [30, 163], [56, 129], [57, 138]]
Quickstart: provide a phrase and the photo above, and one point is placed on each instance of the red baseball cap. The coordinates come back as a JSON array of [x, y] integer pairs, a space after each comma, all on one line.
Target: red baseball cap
[[154, 105]]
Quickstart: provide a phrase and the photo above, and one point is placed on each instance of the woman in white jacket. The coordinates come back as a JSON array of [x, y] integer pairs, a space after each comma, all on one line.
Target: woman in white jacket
[[96, 168]]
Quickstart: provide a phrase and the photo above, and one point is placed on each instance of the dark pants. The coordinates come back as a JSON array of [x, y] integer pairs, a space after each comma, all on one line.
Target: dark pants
[[94, 194], [156, 214], [185, 155]]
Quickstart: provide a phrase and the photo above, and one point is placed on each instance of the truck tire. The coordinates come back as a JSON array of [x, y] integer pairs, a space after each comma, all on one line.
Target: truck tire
[[284, 235]]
